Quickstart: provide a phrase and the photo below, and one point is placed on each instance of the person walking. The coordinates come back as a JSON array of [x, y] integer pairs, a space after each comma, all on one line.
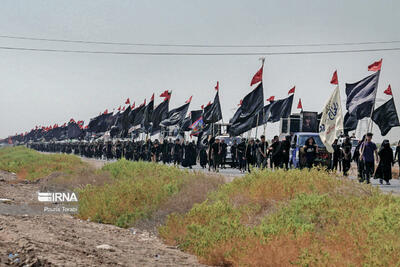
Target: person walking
[[310, 150], [346, 151], [384, 170], [262, 149], [368, 150]]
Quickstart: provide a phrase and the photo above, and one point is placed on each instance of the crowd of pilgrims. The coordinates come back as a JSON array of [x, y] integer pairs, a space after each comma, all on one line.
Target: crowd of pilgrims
[[244, 153], [213, 156]]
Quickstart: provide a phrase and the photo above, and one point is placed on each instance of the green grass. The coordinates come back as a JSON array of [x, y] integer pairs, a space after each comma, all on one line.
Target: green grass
[[296, 217], [137, 190], [30, 164]]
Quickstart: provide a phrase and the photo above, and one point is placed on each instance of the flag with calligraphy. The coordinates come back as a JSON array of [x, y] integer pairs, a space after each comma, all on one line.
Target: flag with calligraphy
[[331, 125]]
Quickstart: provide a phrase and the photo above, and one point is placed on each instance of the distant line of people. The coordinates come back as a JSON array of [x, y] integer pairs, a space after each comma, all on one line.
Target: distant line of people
[[244, 153]]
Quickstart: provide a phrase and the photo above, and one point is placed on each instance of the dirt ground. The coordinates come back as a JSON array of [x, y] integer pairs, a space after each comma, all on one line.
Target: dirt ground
[[31, 237]]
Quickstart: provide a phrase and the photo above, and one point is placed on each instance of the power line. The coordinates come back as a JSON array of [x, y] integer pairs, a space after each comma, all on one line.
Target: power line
[[194, 45], [198, 54]]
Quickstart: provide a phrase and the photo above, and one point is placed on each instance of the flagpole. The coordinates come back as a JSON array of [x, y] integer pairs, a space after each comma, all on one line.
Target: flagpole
[[258, 115], [370, 124]]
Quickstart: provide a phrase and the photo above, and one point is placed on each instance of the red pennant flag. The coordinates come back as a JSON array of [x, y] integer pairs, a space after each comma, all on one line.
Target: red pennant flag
[[334, 79], [271, 98], [217, 86], [189, 100], [209, 103], [300, 105], [375, 66], [240, 103], [127, 102], [144, 103], [257, 77], [119, 109], [133, 105], [164, 94], [388, 91], [105, 111], [291, 91], [123, 109], [202, 106], [152, 98]]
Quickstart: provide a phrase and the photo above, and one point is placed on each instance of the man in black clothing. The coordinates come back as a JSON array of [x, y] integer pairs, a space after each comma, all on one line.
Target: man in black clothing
[[276, 150], [262, 149], [234, 154], [224, 148], [216, 151], [346, 149], [285, 152], [177, 152]]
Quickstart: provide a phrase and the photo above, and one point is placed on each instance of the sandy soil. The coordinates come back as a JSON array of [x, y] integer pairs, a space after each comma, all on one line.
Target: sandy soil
[[31, 237]]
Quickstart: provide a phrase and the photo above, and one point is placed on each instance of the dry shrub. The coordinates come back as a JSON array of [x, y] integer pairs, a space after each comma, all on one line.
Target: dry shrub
[[194, 191]]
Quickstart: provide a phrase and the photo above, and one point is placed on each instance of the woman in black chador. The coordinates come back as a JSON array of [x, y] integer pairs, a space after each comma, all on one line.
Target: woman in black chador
[[384, 170]]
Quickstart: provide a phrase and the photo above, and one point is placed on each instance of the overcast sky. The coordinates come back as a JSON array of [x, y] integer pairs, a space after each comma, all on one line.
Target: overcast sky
[[43, 88]]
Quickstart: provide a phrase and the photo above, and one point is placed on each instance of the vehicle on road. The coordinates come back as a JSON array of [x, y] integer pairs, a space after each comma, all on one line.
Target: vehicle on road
[[297, 151]]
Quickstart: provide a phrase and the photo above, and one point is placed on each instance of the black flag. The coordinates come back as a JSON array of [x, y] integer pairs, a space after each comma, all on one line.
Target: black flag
[[175, 116], [160, 113], [185, 124], [278, 109], [386, 117], [147, 115], [195, 115], [212, 113], [73, 130], [244, 118], [139, 111], [360, 100]]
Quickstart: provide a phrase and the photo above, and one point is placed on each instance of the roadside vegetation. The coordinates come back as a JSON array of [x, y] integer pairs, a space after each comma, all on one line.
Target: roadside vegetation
[[307, 218], [139, 189], [280, 218], [32, 165]]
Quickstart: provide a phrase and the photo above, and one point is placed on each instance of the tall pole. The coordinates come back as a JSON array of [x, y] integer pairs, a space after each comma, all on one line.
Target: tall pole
[[370, 124]]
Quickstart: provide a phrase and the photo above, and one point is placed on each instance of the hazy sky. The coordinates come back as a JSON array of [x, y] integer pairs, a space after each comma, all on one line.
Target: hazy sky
[[43, 88]]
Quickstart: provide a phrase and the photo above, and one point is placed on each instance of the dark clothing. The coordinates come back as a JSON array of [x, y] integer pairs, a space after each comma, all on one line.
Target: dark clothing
[[216, 154], [262, 147], [384, 170], [369, 149], [177, 153], [276, 156], [311, 154], [346, 148]]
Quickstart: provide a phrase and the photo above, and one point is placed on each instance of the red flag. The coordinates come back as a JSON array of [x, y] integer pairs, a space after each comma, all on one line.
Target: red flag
[[164, 94], [300, 105], [334, 79], [152, 98], [202, 106], [258, 76], [189, 100], [240, 103], [133, 105], [291, 91], [375, 66], [72, 120], [388, 91], [127, 102], [217, 86], [105, 111], [119, 108], [144, 103], [271, 98], [85, 127], [123, 109], [209, 103]]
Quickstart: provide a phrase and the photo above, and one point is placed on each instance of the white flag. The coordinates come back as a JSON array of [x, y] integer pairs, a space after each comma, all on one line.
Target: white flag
[[331, 125]]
